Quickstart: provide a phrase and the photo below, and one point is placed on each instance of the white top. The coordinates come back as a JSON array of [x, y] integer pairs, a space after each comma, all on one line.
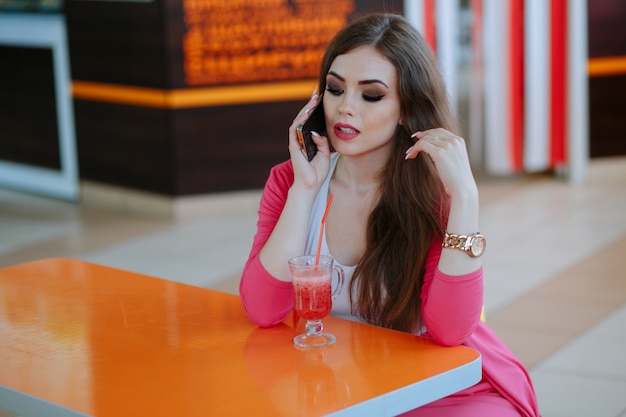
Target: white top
[[341, 305]]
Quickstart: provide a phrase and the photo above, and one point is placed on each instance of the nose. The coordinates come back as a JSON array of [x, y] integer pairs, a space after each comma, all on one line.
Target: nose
[[346, 106]]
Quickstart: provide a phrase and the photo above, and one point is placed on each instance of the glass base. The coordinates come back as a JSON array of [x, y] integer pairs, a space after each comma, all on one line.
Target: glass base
[[314, 340]]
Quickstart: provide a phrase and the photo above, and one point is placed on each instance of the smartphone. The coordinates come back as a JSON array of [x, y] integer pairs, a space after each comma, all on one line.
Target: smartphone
[[317, 123]]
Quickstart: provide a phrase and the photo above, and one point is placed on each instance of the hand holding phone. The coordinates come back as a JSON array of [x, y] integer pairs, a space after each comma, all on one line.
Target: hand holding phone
[[317, 123]]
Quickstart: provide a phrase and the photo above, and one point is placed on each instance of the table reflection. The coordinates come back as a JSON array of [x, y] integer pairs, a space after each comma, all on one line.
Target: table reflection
[[296, 380], [44, 341]]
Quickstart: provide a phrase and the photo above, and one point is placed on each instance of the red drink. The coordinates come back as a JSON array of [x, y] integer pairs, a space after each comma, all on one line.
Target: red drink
[[312, 294], [311, 278]]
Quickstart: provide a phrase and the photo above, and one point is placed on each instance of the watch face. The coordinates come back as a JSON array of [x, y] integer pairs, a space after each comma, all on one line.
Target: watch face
[[478, 246]]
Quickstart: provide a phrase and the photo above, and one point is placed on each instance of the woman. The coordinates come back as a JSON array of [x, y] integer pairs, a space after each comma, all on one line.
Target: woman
[[403, 193]]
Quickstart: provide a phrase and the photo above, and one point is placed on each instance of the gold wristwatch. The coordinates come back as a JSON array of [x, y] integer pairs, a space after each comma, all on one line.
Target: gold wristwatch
[[474, 244]]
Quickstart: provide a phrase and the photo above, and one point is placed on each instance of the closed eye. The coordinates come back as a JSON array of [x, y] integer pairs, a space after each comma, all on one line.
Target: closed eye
[[333, 91], [372, 98]]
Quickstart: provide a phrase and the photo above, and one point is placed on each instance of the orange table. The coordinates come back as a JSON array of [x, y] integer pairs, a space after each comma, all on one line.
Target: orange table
[[82, 339]]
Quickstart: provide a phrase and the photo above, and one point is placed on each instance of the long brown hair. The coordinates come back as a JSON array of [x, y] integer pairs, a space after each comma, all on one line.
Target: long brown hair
[[412, 208]]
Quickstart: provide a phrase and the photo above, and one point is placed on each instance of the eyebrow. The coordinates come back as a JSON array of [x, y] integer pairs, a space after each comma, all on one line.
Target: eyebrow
[[374, 81]]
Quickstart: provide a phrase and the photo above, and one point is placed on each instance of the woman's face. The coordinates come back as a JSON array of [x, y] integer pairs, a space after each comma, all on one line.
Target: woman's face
[[361, 102]]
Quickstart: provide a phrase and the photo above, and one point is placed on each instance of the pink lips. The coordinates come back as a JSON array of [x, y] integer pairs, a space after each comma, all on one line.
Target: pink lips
[[345, 132]]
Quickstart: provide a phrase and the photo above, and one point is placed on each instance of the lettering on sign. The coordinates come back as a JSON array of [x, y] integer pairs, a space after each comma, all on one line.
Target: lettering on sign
[[238, 41]]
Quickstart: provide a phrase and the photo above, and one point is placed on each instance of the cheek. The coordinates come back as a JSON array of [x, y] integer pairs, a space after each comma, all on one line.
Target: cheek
[[385, 122]]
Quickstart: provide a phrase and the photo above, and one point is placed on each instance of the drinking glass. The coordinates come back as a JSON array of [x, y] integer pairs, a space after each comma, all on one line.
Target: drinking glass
[[313, 295]]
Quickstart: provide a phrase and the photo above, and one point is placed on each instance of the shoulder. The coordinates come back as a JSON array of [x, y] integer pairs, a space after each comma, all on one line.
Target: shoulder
[[278, 183], [282, 169], [281, 175]]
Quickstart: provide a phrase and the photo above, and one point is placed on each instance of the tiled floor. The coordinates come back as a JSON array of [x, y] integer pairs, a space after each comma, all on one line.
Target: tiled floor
[[555, 268]]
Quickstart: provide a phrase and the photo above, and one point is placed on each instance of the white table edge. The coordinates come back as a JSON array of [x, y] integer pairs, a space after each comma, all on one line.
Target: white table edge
[[27, 405], [418, 394]]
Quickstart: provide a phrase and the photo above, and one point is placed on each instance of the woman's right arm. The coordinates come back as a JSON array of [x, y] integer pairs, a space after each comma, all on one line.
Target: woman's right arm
[[265, 287], [266, 299], [282, 228]]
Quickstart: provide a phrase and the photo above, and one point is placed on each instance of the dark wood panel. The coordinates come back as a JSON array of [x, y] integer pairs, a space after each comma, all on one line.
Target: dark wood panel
[[117, 42], [607, 109], [28, 117], [125, 146], [200, 150], [607, 27], [230, 148], [173, 34], [607, 38]]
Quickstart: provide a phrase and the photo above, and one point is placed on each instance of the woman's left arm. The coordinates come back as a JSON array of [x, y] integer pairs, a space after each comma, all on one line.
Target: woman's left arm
[[451, 304], [452, 295], [449, 154]]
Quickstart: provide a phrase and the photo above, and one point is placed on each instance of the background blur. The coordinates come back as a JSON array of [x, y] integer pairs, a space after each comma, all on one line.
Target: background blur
[[138, 134]]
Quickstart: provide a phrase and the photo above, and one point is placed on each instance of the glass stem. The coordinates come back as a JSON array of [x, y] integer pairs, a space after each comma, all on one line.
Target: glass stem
[[314, 327]]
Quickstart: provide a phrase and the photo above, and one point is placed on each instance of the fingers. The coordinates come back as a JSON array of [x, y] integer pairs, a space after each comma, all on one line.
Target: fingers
[[321, 142], [449, 154], [433, 141], [304, 114], [301, 117], [436, 137]]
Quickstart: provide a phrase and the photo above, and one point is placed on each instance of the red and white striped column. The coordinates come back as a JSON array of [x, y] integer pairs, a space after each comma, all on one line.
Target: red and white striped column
[[438, 22], [535, 105], [528, 98]]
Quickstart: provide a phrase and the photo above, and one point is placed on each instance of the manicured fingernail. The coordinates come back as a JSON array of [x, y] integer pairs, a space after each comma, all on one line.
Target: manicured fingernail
[[307, 110], [314, 133], [314, 95]]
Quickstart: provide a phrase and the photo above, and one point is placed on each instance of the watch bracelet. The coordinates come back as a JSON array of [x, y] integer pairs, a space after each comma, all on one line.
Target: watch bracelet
[[454, 241]]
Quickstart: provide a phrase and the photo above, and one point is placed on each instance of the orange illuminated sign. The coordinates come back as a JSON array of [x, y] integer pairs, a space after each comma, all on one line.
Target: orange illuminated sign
[[238, 41]]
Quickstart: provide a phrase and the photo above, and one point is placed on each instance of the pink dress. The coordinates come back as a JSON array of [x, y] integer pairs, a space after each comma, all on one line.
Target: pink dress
[[451, 308]]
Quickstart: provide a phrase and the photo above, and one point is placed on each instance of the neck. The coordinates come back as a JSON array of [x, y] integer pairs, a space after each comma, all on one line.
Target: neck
[[359, 174]]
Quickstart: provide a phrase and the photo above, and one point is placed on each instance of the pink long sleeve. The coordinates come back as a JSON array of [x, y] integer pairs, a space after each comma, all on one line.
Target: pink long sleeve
[[451, 305], [267, 300]]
